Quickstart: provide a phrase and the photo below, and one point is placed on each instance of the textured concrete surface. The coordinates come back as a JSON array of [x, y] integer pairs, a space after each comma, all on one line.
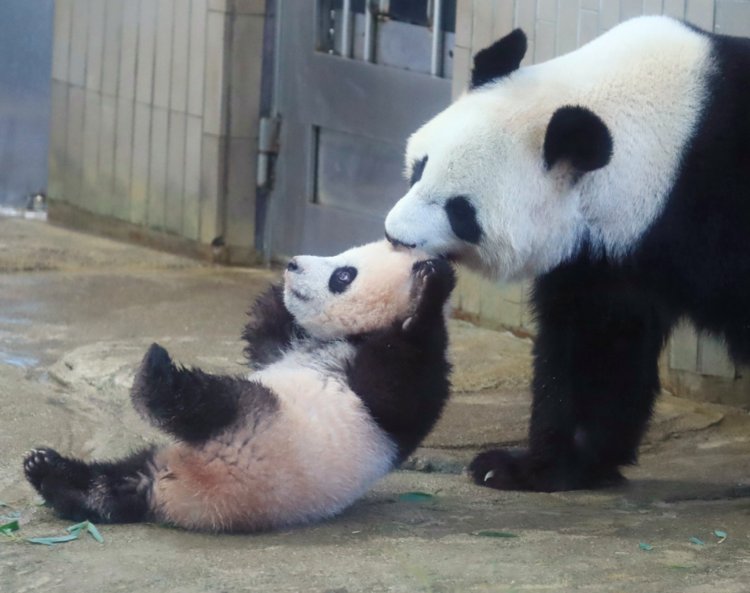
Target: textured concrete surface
[[76, 314]]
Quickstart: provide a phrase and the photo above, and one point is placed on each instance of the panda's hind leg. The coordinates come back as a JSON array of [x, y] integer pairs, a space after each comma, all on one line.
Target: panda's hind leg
[[106, 492]]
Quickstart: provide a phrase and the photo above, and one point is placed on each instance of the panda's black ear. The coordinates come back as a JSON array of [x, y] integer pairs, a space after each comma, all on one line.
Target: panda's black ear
[[499, 59], [579, 136]]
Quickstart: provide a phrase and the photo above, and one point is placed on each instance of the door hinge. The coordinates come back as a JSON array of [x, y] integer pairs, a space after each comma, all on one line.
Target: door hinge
[[268, 148]]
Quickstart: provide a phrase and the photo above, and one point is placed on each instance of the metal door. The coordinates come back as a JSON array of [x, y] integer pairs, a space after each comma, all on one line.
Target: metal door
[[350, 86], [25, 67]]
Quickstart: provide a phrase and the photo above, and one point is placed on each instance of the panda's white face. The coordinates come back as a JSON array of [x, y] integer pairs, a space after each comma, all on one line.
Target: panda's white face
[[516, 175], [481, 192], [360, 290]]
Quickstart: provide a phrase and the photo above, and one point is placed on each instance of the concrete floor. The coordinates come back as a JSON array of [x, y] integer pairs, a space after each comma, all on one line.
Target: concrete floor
[[77, 312]]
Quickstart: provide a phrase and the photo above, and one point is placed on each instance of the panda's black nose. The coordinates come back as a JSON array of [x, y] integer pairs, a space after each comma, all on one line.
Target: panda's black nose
[[292, 266]]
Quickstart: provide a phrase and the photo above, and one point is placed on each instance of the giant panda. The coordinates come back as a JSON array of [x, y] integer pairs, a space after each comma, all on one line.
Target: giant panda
[[618, 176], [350, 373]]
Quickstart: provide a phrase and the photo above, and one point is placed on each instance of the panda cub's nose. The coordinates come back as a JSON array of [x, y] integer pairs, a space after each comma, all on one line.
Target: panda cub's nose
[[292, 266]]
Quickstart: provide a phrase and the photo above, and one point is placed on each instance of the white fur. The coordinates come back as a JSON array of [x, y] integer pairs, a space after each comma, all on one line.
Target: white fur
[[379, 294], [646, 79]]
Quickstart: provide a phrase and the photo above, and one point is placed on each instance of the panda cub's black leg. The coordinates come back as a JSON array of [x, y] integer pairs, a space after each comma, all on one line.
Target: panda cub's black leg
[[107, 492], [192, 405], [187, 403]]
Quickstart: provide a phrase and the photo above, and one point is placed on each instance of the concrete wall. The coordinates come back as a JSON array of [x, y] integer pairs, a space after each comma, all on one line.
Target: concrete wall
[[693, 364], [154, 118]]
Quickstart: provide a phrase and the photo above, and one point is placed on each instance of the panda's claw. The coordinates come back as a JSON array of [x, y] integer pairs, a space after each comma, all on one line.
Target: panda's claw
[[38, 464], [434, 279]]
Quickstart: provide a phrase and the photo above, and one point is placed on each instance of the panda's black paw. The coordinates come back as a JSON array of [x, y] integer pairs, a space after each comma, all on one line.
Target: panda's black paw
[[434, 279], [515, 469], [38, 464], [500, 469]]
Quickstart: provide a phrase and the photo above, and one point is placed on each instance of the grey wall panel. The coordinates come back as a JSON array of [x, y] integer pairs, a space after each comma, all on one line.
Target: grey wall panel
[[90, 198], [112, 43], [147, 21], [123, 165], [157, 182], [192, 195], [175, 172], [197, 57], [63, 10], [95, 45], [79, 37], [128, 49], [139, 185], [180, 56]]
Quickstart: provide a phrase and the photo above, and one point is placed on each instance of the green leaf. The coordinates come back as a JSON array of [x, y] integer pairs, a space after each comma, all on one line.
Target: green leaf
[[494, 533], [720, 534], [78, 527], [645, 547], [697, 541], [95, 533], [415, 496], [51, 541], [10, 527]]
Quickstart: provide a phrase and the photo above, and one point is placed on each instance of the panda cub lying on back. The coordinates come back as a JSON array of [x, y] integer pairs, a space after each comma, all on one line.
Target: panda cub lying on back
[[351, 374]]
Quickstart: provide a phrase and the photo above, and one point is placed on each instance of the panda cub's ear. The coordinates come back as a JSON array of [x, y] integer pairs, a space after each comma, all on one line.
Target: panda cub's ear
[[499, 59], [577, 135]]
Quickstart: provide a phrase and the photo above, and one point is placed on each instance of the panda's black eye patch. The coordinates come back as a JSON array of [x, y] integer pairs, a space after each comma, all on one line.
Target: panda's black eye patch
[[341, 279], [463, 219], [417, 170]]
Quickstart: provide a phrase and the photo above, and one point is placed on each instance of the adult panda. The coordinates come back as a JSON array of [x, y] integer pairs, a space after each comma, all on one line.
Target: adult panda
[[618, 175], [350, 375]]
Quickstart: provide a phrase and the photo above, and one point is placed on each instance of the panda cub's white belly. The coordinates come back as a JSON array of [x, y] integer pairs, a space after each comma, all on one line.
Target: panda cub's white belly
[[325, 442]]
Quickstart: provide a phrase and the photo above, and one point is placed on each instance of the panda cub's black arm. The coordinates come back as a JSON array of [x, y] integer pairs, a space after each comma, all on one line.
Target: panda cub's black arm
[[401, 373], [270, 329]]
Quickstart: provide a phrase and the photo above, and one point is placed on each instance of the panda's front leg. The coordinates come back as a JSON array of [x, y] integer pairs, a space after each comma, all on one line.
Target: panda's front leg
[[270, 329], [434, 280], [401, 372], [595, 380]]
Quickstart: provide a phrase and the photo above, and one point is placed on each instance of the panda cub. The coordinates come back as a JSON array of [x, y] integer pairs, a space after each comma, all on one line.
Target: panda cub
[[350, 375]]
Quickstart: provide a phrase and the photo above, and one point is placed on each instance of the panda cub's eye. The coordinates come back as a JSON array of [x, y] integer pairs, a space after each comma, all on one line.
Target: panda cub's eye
[[341, 279]]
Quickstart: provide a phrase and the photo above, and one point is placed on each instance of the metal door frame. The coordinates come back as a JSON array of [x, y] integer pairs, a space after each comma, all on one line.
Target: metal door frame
[[379, 86]]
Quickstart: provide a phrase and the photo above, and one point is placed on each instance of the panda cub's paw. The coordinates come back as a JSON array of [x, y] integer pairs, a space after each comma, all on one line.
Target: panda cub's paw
[[37, 464], [40, 464], [434, 279]]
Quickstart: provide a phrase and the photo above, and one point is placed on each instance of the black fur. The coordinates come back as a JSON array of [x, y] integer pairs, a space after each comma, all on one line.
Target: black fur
[[401, 373], [104, 492], [577, 135], [270, 330], [462, 217], [341, 279], [190, 404], [602, 324], [499, 59]]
